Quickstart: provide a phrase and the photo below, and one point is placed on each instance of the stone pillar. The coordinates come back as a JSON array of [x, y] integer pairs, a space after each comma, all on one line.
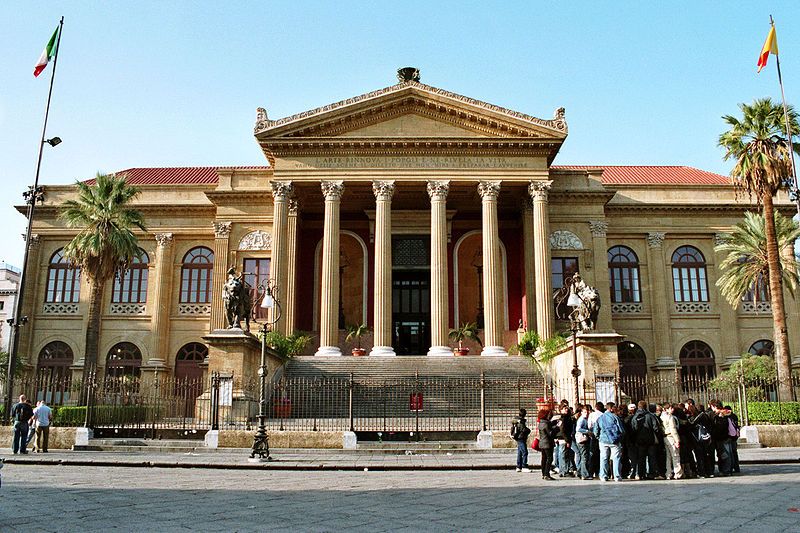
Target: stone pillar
[[289, 299], [222, 232], [32, 275], [602, 280], [541, 247], [492, 270], [437, 190], [660, 296], [382, 344], [329, 304], [529, 266], [729, 340], [160, 305], [280, 227]]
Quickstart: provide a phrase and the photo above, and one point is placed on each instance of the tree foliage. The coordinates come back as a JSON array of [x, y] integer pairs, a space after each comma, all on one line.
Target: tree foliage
[[287, 345]]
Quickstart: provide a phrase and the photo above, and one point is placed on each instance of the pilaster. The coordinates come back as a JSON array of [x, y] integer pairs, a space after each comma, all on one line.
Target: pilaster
[[222, 232], [492, 286], [437, 191], [160, 305], [660, 296], [599, 229], [382, 344], [729, 340], [329, 305]]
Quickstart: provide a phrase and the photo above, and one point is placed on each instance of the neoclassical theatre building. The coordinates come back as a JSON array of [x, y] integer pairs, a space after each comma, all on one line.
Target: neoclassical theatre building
[[410, 209]]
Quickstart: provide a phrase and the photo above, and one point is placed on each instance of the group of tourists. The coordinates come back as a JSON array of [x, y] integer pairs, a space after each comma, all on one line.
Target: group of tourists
[[640, 441], [30, 422]]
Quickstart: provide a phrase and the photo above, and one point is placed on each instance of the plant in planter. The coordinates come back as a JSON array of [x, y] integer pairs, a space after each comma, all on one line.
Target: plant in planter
[[467, 330], [354, 333]]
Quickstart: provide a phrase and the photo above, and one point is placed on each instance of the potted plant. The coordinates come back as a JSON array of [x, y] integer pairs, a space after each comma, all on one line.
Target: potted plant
[[354, 333], [468, 330]]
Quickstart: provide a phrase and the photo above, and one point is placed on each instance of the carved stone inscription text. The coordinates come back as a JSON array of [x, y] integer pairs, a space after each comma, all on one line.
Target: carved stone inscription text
[[415, 162]]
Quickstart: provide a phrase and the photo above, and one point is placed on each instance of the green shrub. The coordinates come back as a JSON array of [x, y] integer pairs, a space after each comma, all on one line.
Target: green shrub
[[774, 413], [69, 416], [72, 416]]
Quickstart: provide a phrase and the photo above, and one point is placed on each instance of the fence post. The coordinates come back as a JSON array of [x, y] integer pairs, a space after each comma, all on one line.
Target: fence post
[[416, 411], [87, 386], [350, 402], [483, 401], [215, 400]]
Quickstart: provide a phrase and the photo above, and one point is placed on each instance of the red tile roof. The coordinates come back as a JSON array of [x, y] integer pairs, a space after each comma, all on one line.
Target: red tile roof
[[176, 175], [612, 175], [652, 175]]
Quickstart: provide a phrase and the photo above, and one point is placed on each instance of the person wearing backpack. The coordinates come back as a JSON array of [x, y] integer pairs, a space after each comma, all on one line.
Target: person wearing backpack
[[520, 432], [722, 431], [21, 414], [703, 447], [645, 428], [609, 432]]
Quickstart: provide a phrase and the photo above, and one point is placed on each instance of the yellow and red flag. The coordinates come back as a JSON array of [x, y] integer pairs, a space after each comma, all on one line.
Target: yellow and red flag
[[770, 47]]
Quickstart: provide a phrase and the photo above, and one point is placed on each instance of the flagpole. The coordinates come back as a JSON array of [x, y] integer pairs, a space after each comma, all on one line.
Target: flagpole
[[796, 192], [33, 195]]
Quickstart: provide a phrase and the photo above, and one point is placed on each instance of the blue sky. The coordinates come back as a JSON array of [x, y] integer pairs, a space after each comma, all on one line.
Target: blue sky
[[172, 83]]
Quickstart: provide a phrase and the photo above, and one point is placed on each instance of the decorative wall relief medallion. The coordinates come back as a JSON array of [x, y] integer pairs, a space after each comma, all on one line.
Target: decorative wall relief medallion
[[256, 240], [565, 240]]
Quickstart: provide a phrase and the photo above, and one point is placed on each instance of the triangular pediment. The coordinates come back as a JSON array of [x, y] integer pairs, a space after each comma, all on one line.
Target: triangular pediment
[[411, 110]]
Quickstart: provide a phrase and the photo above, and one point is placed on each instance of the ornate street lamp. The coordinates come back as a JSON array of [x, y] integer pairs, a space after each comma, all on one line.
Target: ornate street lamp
[[269, 301], [574, 301]]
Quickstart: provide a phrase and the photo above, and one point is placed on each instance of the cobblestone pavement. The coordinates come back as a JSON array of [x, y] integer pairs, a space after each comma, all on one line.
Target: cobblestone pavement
[[765, 498]]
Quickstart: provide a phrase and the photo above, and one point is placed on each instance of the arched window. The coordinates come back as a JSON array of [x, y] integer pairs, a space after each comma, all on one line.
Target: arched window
[[689, 275], [53, 375], [130, 285], [188, 360], [697, 362], [124, 359], [198, 265], [63, 280], [763, 347], [759, 291], [623, 269], [632, 370]]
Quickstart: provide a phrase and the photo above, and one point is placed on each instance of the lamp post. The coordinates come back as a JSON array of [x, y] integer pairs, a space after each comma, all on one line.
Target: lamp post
[[268, 301], [574, 301]]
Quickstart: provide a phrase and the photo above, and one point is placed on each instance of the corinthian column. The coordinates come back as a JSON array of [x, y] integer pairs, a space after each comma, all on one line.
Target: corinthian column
[[329, 306], [289, 303], [280, 229], [492, 286], [529, 264], [437, 190], [160, 304], [383, 268], [541, 258], [222, 232]]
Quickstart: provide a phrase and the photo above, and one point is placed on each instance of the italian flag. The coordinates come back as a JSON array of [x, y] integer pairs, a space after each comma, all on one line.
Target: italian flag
[[770, 47], [47, 54]]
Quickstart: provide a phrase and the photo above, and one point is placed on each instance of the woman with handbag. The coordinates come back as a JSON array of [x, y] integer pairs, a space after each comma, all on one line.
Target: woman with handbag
[[546, 442]]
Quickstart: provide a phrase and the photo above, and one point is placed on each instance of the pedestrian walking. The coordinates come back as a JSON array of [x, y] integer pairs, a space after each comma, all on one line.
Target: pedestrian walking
[[520, 432], [21, 414]]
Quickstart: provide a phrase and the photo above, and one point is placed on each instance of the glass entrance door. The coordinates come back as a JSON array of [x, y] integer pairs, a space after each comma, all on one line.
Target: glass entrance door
[[411, 312]]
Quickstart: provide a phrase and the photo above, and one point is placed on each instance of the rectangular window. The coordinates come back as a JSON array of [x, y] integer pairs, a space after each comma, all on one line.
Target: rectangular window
[[562, 268], [256, 273]]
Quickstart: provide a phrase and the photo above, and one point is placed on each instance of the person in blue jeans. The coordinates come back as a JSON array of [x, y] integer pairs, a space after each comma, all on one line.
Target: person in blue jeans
[[583, 444], [609, 431], [520, 432]]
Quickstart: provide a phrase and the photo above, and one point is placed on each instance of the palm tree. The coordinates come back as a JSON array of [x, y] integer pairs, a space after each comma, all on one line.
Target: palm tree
[[745, 264], [759, 145], [105, 244]]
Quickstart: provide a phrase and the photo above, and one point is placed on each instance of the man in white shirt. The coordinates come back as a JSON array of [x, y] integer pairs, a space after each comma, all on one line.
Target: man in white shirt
[[42, 414]]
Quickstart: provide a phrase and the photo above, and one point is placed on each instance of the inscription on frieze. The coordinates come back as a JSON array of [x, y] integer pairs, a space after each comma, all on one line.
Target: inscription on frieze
[[413, 162]]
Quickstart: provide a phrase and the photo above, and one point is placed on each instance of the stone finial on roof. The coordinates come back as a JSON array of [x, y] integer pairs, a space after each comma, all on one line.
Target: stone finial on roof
[[405, 74]]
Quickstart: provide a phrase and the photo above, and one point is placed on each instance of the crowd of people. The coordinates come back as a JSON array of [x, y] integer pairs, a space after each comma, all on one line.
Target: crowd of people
[[30, 422], [638, 441]]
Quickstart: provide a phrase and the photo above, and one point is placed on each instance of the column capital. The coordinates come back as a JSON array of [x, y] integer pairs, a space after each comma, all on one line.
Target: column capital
[[332, 190], [721, 238], [656, 238], [294, 207], [164, 240], [383, 190], [539, 189], [222, 229], [438, 189], [599, 228], [35, 240], [281, 190], [489, 190]]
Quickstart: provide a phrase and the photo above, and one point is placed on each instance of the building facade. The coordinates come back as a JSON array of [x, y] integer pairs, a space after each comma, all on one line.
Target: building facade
[[9, 285], [412, 210]]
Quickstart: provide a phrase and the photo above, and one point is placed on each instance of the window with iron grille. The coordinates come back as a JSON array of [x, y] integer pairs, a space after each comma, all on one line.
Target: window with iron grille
[[130, 285], [63, 280], [623, 270], [124, 359], [689, 279], [697, 361], [198, 267]]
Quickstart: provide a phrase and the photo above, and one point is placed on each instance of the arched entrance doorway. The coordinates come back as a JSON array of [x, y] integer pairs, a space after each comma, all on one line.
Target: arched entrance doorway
[[632, 370]]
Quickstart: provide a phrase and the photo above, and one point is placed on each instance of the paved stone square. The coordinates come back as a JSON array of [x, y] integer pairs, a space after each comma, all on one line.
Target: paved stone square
[[764, 498]]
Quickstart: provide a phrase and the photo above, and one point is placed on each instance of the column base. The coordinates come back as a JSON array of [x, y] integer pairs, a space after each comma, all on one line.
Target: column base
[[328, 351], [440, 351], [382, 351], [494, 351]]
